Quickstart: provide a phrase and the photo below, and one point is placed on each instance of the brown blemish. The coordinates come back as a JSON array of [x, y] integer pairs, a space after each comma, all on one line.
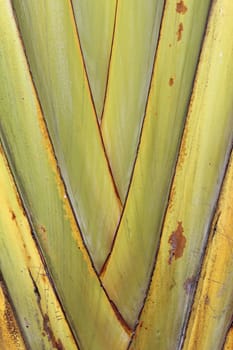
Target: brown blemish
[[43, 277], [141, 325], [56, 343], [179, 32], [10, 322], [171, 198], [171, 81], [215, 224], [13, 218], [178, 242], [183, 149], [12, 215], [20, 204], [181, 8], [36, 289], [189, 284]]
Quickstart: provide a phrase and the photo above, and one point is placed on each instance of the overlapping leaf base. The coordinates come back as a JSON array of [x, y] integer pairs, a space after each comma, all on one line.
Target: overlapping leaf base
[[116, 174]]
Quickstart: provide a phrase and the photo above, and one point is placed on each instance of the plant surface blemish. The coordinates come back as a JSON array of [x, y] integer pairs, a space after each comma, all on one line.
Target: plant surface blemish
[[181, 8], [177, 241]]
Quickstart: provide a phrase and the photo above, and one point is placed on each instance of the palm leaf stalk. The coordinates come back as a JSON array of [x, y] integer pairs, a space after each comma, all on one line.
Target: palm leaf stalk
[[116, 130], [183, 236]]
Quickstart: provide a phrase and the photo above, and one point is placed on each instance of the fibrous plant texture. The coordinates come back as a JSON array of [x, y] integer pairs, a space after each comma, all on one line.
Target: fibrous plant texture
[[116, 174]]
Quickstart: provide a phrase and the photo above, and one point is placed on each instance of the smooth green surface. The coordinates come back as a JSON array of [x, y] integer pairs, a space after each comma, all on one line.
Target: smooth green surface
[[136, 35], [95, 22], [202, 161], [139, 231], [49, 35], [27, 147]]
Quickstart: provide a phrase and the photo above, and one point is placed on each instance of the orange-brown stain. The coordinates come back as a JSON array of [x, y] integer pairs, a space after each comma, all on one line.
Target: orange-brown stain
[[171, 198], [177, 241], [43, 276], [20, 203], [12, 215], [56, 343], [181, 8], [10, 322], [183, 149], [13, 218], [171, 81], [179, 32]]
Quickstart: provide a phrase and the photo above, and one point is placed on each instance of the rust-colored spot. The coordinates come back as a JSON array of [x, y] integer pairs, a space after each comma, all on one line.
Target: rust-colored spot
[[12, 215], [43, 276], [171, 81], [178, 242], [179, 31], [183, 149], [56, 343], [189, 284], [181, 8]]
